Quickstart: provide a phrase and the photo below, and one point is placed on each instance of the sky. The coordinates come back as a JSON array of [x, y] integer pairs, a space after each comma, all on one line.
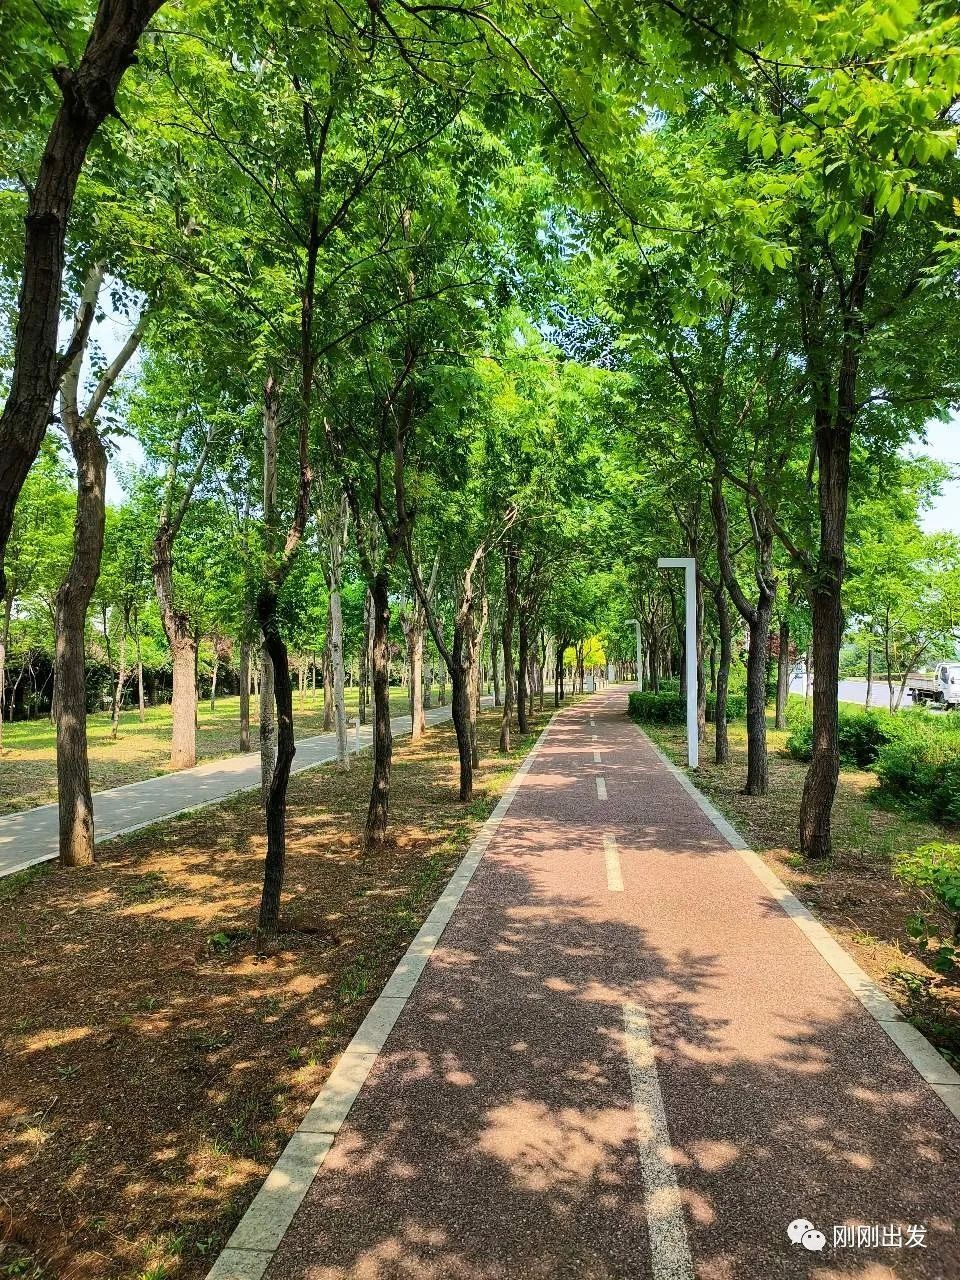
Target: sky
[[943, 442]]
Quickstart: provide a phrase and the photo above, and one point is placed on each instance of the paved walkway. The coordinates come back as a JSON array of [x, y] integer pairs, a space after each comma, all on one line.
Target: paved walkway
[[623, 1059], [32, 836]]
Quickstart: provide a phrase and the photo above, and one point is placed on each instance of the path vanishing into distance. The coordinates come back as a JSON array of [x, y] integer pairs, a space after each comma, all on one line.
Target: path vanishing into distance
[[32, 835], [618, 1047]]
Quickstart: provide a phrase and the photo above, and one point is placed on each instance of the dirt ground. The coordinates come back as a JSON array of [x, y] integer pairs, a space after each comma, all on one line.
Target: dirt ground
[[855, 895], [154, 1066]]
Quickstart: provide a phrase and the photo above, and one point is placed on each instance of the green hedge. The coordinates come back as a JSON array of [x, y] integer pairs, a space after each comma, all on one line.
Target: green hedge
[[670, 708], [670, 684], [916, 755], [862, 735], [657, 708], [921, 767], [736, 707]]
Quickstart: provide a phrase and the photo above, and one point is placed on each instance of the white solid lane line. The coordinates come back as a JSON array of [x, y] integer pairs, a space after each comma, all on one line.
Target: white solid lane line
[[612, 857], [601, 788], [666, 1224]]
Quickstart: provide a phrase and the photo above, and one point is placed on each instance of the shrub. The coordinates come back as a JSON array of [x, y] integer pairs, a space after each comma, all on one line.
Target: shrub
[[800, 741], [935, 868], [922, 768], [736, 707], [670, 684], [861, 734], [657, 708]]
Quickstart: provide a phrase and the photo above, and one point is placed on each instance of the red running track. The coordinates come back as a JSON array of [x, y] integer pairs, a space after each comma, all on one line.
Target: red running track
[[512, 1126]]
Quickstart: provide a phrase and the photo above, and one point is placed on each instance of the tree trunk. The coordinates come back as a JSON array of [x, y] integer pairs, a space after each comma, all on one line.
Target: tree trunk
[[713, 668], [699, 664], [523, 660], [808, 673], [365, 659], [88, 94], [70, 694], [495, 668], [244, 695], [328, 709], [509, 615], [213, 682], [336, 662], [460, 709], [757, 768], [414, 636], [722, 754], [183, 650], [757, 616], [268, 724], [140, 697], [276, 801], [379, 810], [4, 641], [783, 673], [183, 740], [428, 685], [868, 701], [119, 686], [820, 786]]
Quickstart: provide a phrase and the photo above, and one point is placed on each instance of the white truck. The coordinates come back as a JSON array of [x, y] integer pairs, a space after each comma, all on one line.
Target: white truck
[[941, 686]]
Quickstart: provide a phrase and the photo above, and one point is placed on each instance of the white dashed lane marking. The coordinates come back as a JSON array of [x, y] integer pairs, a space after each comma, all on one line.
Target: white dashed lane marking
[[669, 1247], [596, 757], [601, 788], [612, 858]]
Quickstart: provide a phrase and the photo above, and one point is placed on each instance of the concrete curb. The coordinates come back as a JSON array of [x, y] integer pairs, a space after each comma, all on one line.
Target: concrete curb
[[916, 1048], [257, 1237]]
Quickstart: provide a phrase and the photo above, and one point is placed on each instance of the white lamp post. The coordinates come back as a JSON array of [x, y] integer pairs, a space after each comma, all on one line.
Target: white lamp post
[[639, 654], [689, 567]]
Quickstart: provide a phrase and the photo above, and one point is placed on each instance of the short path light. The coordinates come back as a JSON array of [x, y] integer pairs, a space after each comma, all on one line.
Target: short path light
[[639, 653], [689, 567]]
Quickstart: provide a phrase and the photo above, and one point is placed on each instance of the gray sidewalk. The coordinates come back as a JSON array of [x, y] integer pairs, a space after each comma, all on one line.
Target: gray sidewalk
[[31, 836]]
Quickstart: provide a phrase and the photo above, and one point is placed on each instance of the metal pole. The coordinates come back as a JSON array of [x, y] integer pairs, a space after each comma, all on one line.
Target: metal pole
[[693, 729]]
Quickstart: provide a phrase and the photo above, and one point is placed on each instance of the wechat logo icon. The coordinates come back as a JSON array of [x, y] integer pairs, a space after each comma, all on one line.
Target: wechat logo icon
[[802, 1231]]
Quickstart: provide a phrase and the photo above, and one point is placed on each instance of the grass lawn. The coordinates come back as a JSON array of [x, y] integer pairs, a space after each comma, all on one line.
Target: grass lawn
[[855, 895], [28, 774], [154, 1066]]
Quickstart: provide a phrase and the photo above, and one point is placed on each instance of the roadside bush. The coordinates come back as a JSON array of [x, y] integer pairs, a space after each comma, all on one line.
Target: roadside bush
[[921, 768], [670, 684], [862, 734], [800, 741], [935, 869], [736, 707], [657, 708]]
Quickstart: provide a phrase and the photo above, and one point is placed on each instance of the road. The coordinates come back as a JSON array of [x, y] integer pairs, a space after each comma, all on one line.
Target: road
[[617, 1048], [856, 691], [31, 836]]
